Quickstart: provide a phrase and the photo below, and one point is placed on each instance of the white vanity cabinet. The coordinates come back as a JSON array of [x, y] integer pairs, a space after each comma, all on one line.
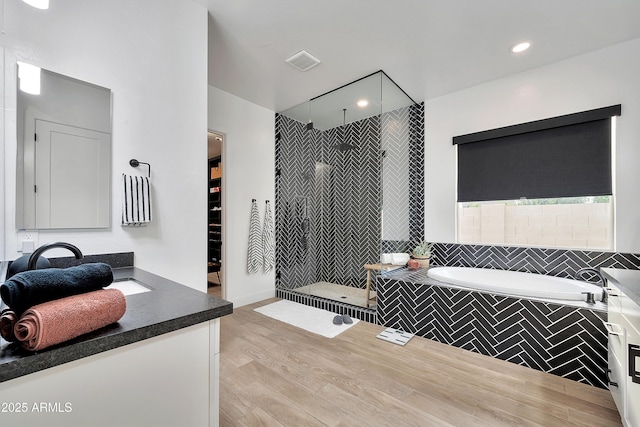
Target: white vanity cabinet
[[158, 366], [623, 372]]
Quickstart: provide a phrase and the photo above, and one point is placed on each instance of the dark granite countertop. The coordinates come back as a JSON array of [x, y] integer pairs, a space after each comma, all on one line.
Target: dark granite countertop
[[168, 307], [628, 281]]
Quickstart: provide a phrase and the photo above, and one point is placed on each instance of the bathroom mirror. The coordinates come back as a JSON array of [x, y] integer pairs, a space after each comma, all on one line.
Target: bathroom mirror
[[63, 154]]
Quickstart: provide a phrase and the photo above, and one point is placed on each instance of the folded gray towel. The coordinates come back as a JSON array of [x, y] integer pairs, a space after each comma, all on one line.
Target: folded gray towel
[[32, 287]]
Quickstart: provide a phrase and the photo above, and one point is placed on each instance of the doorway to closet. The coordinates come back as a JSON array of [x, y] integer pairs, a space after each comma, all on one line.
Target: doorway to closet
[[215, 276]]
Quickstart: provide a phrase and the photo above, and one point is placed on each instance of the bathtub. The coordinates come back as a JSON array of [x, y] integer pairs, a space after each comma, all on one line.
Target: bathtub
[[509, 316], [515, 283]]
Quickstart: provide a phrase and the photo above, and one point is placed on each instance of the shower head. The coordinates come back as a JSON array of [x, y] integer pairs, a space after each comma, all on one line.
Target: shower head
[[343, 146]]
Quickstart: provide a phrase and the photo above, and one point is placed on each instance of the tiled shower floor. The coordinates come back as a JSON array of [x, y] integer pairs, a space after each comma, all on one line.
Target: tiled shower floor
[[335, 292]]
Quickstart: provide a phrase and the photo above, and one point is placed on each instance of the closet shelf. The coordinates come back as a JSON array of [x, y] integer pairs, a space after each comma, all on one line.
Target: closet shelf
[[215, 214]]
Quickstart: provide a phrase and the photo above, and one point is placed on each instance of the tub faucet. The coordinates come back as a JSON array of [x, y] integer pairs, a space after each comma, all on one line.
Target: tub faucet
[[593, 271], [33, 259]]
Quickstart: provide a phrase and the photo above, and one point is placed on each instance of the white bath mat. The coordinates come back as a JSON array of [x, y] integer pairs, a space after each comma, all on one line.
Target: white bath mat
[[303, 316], [395, 336]]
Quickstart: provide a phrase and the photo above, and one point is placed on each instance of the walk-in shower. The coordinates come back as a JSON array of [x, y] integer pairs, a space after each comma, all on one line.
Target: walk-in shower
[[349, 186]]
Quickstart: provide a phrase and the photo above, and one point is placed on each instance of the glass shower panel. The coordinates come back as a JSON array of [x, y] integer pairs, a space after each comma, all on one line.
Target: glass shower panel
[[398, 180], [340, 159], [294, 200]]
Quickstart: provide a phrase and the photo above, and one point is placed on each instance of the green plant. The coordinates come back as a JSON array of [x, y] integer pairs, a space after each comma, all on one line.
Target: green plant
[[423, 249]]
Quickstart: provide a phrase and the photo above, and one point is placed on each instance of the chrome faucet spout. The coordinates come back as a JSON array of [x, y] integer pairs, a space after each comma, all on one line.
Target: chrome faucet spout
[[33, 259], [580, 273]]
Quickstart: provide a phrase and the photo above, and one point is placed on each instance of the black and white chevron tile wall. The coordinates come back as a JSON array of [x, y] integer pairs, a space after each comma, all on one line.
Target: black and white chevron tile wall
[[336, 195], [416, 172], [293, 200], [566, 341], [352, 224], [553, 262]]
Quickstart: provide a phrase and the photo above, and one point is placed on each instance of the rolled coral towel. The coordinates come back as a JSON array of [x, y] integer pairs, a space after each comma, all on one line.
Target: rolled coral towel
[[8, 320], [32, 287], [60, 320]]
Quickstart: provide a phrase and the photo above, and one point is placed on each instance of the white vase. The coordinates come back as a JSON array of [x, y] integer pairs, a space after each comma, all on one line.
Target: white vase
[[386, 258], [399, 258]]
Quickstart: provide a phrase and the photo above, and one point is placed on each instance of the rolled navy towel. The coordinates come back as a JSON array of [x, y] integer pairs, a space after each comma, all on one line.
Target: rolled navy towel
[[8, 320], [60, 320], [32, 287]]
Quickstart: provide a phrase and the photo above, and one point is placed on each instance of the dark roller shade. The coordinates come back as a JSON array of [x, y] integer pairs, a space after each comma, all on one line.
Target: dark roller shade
[[562, 161]]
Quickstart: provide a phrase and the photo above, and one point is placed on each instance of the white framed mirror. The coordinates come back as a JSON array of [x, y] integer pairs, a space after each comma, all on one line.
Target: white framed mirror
[[63, 154]]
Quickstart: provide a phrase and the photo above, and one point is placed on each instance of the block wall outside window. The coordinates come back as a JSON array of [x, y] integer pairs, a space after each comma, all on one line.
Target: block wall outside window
[[573, 225]]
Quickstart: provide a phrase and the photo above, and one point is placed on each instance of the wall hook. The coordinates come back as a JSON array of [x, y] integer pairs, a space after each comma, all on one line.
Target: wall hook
[[134, 163]]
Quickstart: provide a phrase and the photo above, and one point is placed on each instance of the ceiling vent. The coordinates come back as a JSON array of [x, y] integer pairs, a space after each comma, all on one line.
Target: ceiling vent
[[303, 60]]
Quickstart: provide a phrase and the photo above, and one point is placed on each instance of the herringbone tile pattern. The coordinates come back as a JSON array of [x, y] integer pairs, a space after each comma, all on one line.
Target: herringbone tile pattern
[[294, 197], [553, 262], [416, 172], [366, 314], [396, 182], [337, 195], [566, 341]]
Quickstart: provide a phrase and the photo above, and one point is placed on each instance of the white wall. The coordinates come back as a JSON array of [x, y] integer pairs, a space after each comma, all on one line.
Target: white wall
[[153, 56], [598, 79], [248, 157]]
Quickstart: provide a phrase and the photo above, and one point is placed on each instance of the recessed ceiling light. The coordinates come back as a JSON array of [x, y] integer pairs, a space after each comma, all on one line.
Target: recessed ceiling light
[[362, 103], [40, 4], [520, 47], [29, 76]]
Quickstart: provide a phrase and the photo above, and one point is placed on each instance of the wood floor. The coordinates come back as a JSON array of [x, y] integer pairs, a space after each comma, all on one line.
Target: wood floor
[[215, 290], [274, 374], [213, 285]]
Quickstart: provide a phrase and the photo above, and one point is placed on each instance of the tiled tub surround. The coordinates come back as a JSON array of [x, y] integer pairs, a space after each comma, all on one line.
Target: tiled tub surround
[[549, 261], [564, 340]]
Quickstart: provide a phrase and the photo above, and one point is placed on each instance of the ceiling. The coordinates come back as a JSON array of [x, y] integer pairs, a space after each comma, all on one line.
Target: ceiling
[[340, 106], [428, 47]]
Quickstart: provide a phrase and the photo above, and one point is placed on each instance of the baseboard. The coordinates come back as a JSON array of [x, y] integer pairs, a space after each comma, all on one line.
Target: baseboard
[[250, 299]]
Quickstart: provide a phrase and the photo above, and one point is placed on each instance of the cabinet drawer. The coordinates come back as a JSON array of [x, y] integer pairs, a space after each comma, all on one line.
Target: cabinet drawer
[[617, 339], [632, 393], [614, 305], [631, 311], [616, 381]]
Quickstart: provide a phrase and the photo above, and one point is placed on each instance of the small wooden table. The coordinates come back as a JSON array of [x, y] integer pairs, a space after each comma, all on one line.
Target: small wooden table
[[376, 268]]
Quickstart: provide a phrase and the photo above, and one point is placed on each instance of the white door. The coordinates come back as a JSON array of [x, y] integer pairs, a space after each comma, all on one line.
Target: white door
[[72, 177]]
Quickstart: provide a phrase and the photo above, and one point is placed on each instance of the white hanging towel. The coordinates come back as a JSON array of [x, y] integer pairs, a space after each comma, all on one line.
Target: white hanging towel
[[254, 252], [136, 200], [268, 240]]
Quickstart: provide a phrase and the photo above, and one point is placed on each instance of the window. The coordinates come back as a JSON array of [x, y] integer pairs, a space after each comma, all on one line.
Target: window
[[546, 183], [572, 222]]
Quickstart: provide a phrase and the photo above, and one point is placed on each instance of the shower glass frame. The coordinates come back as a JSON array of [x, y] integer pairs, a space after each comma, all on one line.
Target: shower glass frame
[[348, 198]]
